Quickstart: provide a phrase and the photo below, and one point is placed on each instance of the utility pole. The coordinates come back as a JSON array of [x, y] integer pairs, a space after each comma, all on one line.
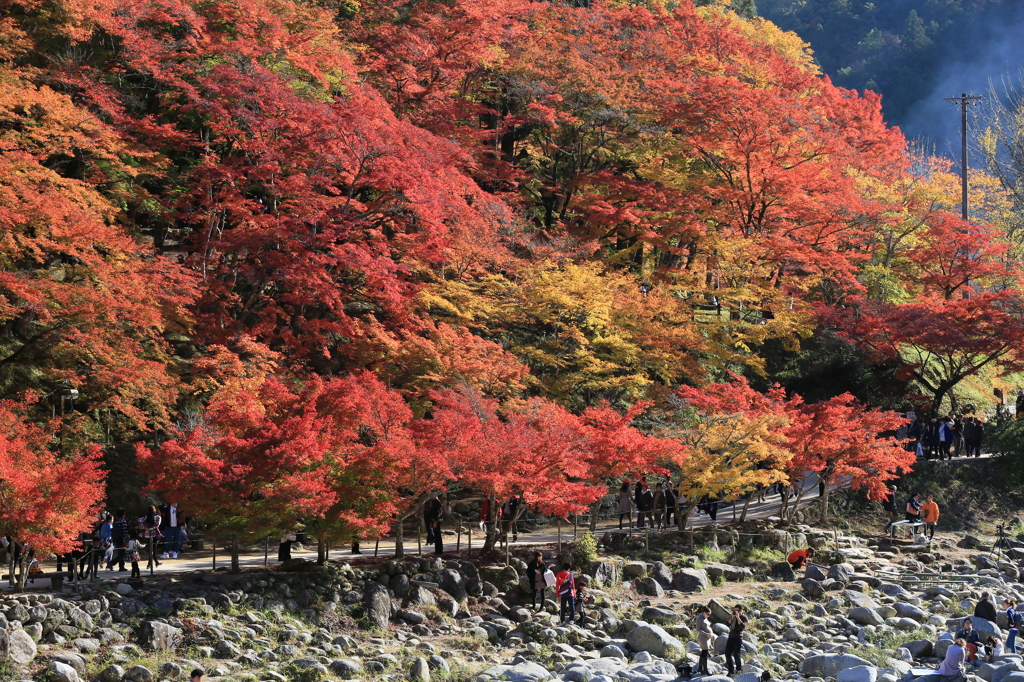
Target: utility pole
[[964, 101]]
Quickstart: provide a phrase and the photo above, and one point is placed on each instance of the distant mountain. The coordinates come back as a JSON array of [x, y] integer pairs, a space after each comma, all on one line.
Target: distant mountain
[[913, 52]]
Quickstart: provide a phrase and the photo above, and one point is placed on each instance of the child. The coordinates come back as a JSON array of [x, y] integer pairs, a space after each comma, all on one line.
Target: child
[[135, 547], [581, 599], [994, 647], [565, 588]]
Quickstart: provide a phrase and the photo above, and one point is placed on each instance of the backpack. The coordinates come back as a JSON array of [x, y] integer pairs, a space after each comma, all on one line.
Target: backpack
[[565, 589], [1018, 619]]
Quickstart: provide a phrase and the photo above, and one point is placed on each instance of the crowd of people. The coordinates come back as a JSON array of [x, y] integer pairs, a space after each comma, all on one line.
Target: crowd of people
[[944, 437], [116, 539]]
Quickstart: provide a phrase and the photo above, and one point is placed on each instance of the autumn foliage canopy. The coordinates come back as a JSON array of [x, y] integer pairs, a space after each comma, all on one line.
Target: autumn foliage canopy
[[331, 260]]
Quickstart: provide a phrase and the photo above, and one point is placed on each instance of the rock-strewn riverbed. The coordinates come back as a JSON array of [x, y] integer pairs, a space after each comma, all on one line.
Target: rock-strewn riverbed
[[422, 619]]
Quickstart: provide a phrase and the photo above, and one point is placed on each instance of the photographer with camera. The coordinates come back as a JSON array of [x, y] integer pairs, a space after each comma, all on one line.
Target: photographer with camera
[[734, 644]]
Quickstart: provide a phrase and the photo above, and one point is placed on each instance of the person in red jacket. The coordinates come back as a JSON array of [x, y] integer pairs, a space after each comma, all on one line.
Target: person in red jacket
[[799, 557], [565, 588]]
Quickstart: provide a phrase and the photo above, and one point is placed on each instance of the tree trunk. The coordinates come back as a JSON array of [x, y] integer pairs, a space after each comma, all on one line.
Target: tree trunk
[[23, 564], [824, 501], [796, 503], [321, 550], [399, 538], [595, 509], [746, 505], [234, 554], [492, 521], [783, 502]]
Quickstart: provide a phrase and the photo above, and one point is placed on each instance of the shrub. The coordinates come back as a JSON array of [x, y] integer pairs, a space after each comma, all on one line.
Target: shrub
[[584, 550]]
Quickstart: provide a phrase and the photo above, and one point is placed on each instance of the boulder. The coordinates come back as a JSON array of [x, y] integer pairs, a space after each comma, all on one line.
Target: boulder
[[649, 587], [604, 573], [904, 610], [61, 672], [829, 665], [783, 570], [841, 572], [865, 616], [5, 644], [726, 571], [858, 673], [160, 636], [452, 582], [659, 614], [919, 648], [528, 671], [420, 671], [649, 671], [138, 673], [112, 673], [812, 588], [719, 614], [377, 605], [21, 648], [859, 599], [985, 628], [690, 580], [345, 669], [661, 573], [814, 573], [654, 640]]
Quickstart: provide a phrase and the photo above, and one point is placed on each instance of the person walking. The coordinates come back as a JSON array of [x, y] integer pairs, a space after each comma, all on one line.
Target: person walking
[[671, 498], [151, 534], [704, 636], [134, 549], [977, 436], [565, 588], [734, 644], [658, 504], [1013, 620], [645, 507], [930, 516], [945, 439], [958, 435], [535, 574], [119, 540], [172, 522], [432, 515], [625, 505], [985, 608], [284, 549]]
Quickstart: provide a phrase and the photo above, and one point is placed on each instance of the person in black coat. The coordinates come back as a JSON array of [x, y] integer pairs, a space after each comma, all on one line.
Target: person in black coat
[[535, 576], [985, 608], [432, 514]]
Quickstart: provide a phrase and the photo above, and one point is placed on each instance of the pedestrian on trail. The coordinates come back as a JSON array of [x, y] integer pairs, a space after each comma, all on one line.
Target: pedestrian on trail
[[671, 497], [704, 636], [645, 506], [134, 549], [930, 516], [432, 513], [284, 550], [565, 588], [119, 540], [914, 508], [945, 439], [625, 505], [977, 436], [1013, 620], [958, 435], [734, 644], [150, 524], [985, 608], [953, 664], [891, 506], [658, 505], [535, 570]]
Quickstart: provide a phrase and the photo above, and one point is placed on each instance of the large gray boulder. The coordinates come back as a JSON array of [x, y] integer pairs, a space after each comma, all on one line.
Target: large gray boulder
[[690, 580], [661, 573], [659, 614], [858, 673], [919, 648], [840, 572], [604, 573], [904, 610], [814, 573], [452, 582], [160, 636], [650, 671], [726, 571], [5, 644], [812, 588], [61, 672], [649, 587], [985, 628], [829, 665], [654, 640], [377, 605], [859, 599], [21, 648], [345, 668], [522, 672], [865, 616]]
